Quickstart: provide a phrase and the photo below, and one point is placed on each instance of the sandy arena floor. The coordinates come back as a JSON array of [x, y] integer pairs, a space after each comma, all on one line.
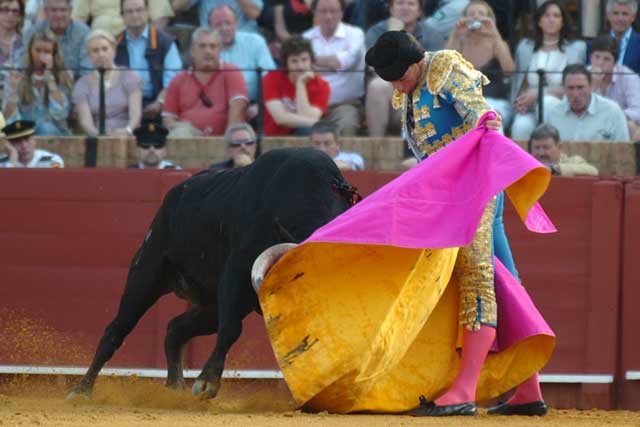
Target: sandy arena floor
[[137, 402]]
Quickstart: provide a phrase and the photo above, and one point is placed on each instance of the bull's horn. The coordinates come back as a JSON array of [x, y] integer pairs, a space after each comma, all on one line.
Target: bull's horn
[[263, 263]]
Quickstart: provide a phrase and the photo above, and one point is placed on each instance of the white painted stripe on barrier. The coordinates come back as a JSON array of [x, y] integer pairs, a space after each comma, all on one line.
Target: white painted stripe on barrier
[[632, 375], [576, 378], [263, 374], [139, 372]]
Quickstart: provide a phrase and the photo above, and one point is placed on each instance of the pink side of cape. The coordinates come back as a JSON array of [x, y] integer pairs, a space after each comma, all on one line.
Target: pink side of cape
[[439, 202]]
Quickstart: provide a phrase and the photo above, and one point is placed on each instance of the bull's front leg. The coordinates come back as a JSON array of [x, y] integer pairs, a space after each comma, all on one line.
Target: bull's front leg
[[198, 320], [130, 311], [234, 304]]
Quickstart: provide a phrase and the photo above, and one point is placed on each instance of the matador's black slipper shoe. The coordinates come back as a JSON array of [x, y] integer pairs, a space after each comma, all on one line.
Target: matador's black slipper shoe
[[430, 409], [534, 408]]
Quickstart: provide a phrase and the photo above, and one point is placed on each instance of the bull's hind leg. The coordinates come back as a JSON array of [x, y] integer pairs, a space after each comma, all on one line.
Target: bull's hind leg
[[196, 321], [236, 299]]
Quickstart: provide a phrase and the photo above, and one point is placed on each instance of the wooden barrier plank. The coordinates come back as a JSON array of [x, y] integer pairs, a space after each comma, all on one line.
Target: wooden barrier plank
[[555, 269], [630, 348], [69, 217], [601, 328], [51, 249], [78, 185]]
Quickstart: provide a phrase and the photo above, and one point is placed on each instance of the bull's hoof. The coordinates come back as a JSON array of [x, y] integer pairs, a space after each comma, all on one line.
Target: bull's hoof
[[78, 394], [177, 385], [206, 389]]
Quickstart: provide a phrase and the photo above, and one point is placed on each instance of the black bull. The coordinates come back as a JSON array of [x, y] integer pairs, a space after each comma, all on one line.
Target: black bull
[[201, 246]]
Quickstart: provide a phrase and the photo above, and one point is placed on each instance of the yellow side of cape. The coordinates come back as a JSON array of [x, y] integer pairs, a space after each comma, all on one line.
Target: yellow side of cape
[[377, 330]]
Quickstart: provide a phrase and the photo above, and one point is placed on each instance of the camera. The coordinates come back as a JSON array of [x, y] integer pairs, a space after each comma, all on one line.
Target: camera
[[474, 25]]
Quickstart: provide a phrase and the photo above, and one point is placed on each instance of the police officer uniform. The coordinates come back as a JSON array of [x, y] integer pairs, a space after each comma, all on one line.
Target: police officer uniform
[[21, 129], [152, 134]]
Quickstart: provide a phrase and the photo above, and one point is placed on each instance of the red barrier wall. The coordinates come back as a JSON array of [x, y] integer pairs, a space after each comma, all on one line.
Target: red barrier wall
[[629, 373], [67, 236]]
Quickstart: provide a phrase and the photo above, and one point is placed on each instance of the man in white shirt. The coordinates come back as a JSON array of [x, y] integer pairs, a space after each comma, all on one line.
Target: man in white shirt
[[583, 115], [339, 57], [21, 148], [324, 137]]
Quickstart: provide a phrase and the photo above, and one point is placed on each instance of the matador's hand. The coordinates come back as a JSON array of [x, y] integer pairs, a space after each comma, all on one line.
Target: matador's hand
[[494, 124]]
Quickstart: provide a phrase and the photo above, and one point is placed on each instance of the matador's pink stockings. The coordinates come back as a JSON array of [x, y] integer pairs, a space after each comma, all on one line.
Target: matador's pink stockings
[[527, 392], [475, 346]]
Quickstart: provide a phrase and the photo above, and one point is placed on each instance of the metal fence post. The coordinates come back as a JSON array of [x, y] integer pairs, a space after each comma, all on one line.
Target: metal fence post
[[260, 115], [103, 109], [541, 84]]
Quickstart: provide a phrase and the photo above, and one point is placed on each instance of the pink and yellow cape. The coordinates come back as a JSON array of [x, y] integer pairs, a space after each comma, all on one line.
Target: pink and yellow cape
[[363, 316]]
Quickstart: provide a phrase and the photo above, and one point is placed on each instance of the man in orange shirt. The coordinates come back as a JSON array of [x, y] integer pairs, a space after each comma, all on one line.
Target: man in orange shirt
[[208, 98], [297, 98]]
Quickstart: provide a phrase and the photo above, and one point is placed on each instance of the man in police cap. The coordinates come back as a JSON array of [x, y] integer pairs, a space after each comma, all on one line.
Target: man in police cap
[[151, 139], [21, 148]]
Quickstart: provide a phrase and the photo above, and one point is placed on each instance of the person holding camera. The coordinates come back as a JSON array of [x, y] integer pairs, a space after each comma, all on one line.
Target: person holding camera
[[476, 37], [550, 50]]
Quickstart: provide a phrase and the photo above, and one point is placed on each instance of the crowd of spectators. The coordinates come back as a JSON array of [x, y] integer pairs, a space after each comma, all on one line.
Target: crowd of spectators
[[92, 67]]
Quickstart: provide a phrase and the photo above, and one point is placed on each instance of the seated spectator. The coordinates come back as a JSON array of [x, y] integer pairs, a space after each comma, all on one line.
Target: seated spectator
[[621, 14], [405, 14], [151, 140], [123, 91], [367, 13], [71, 35], [545, 147], [551, 51], [247, 51], [11, 43], [476, 37], [21, 148], [33, 14], [325, 137], [240, 146], [583, 115], [107, 14], [208, 98], [152, 53], [292, 17], [41, 93], [440, 24], [616, 81], [296, 98], [339, 56], [247, 11]]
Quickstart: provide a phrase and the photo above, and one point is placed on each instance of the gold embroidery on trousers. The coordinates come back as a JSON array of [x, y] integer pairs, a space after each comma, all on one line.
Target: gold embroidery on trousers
[[474, 272]]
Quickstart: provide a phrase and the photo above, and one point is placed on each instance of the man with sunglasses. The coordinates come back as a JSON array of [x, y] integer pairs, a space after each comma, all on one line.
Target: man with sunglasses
[[208, 98], [240, 143], [21, 148], [151, 139]]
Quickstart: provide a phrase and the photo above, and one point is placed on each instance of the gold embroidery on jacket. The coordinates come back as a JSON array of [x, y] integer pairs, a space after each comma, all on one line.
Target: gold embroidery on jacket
[[475, 274]]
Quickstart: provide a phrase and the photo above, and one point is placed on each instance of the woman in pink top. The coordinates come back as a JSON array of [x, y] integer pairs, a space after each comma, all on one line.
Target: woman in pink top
[[123, 91]]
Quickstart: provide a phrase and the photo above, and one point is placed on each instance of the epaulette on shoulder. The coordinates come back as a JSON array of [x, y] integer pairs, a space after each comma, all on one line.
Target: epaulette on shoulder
[[442, 64], [4, 158], [45, 158]]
